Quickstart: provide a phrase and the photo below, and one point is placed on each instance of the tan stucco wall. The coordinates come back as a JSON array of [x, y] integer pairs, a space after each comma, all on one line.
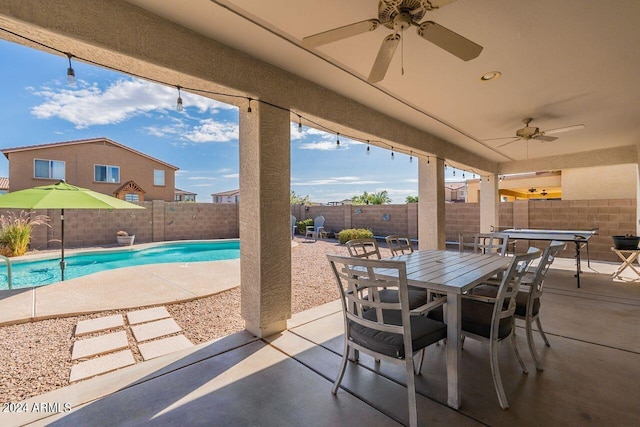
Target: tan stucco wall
[[79, 168], [602, 182]]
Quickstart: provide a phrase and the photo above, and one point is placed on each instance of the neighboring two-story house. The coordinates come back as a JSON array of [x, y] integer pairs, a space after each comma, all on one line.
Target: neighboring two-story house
[[232, 196], [99, 164]]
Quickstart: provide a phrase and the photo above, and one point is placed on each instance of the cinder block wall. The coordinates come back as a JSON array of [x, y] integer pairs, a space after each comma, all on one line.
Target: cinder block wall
[[181, 221], [611, 217], [382, 220], [160, 221]]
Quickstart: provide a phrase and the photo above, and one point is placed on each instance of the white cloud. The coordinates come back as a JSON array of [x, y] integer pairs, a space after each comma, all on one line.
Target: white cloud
[[323, 145], [211, 131], [89, 105], [341, 180], [201, 178], [232, 175], [202, 185]]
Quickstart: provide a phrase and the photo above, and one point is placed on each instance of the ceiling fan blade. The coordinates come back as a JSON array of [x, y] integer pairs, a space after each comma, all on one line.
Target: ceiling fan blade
[[385, 54], [507, 143], [436, 4], [543, 137], [446, 39], [564, 129], [340, 33], [497, 139]]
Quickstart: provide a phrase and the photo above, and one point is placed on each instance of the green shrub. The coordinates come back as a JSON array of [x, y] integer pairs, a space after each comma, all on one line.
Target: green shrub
[[15, 231], [302, 225], [354, 233]]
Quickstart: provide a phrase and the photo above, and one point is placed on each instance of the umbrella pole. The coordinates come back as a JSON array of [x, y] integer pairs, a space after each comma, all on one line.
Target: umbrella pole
[[63, 264]]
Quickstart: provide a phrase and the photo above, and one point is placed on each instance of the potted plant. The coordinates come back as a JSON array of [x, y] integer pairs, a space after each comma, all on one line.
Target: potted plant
[[124, 239]]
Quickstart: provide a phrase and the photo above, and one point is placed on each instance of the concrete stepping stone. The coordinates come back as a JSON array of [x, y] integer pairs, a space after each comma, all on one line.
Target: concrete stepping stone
[[99, 345], [147, 315], [157, 348], [85, 327], [101, 365], [151, 330]]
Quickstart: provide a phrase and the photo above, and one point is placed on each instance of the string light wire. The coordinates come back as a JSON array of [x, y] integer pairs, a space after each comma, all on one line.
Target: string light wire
[[71, 73]]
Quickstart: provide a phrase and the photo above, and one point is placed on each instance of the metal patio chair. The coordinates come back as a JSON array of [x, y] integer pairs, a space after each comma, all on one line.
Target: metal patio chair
[[492, 319], [387, 331], [399, 245]]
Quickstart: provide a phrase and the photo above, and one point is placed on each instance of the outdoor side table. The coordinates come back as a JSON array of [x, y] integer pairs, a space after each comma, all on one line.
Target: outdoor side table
[[628, 256]]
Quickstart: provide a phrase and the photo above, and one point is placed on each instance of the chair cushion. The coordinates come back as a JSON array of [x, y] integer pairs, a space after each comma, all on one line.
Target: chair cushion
[[417, 297], [476, 318], [424, 332], [521, 299]]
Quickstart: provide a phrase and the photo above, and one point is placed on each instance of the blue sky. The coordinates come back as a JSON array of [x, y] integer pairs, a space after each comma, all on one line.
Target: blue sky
[[39, 107]]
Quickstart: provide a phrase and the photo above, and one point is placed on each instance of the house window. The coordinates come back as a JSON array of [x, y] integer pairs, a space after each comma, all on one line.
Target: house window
[[237, 199], [158, 177], [131, 197], [218, 199], [48, 169], [106, 173], [228, 199], [176, 198]]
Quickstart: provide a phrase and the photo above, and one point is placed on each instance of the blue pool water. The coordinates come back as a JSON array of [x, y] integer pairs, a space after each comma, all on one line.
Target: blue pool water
[[44, 272]]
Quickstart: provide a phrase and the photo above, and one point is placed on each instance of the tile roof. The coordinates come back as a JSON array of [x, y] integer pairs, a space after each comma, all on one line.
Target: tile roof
[[7, 151], [227, 193], [179, 191]]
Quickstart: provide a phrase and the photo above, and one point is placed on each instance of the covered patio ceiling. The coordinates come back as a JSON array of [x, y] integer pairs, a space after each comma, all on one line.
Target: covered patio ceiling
[[562, 64]]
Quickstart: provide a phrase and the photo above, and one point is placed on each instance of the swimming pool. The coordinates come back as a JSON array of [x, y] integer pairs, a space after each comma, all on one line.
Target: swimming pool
[[46, 271]]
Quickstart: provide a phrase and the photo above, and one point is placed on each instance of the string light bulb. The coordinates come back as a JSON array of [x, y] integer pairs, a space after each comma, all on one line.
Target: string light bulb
[[179, 106], [368, 148], [392, 155], [338, 140], [71, 74], [249, 108], [299, 124], [454, 172], [428, 160], [410, 156]]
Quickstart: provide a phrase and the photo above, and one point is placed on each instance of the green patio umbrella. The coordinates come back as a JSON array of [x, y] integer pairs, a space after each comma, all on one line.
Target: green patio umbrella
[[62, 196]]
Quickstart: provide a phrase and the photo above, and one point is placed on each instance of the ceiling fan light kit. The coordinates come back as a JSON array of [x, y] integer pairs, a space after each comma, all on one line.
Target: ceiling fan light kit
[[399, 15]]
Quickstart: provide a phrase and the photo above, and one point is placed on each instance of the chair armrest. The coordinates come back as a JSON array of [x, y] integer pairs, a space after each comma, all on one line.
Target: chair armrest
[[310, 228], [419, 311], [479, 298]]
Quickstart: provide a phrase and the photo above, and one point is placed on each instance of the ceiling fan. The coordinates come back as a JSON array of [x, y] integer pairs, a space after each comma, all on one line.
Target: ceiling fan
[[531, 132], [398, 15]]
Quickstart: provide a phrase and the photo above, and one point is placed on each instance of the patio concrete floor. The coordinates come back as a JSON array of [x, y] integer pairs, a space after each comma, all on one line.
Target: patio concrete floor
[[590, 378]]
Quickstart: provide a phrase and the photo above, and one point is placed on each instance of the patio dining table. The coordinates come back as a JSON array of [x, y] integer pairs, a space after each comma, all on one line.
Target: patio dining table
[[451, 273]]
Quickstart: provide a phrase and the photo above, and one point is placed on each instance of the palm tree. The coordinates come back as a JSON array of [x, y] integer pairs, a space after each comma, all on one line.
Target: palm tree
[[379, 198]]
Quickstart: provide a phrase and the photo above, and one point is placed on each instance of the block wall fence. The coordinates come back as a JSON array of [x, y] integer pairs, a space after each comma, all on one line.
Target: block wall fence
[[160, 221], [610, 216], [163, 221]]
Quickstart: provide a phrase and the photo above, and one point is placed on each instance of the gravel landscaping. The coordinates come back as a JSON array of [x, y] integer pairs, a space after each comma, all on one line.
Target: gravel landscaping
[[36, 357]]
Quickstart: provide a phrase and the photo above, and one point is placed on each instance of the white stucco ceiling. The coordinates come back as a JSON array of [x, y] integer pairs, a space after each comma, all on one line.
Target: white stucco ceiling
[[562, 62]]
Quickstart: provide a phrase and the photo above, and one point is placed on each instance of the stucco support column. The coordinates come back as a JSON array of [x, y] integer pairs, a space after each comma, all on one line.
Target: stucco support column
[[265, 249], [431, 222], [638, 194], [489, 203]]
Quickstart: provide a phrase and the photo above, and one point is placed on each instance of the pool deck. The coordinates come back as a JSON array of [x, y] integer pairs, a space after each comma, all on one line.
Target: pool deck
[[119, 289]]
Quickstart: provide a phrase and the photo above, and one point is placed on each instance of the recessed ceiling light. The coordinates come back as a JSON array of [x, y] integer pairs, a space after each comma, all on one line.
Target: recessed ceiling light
[[492, 75]]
